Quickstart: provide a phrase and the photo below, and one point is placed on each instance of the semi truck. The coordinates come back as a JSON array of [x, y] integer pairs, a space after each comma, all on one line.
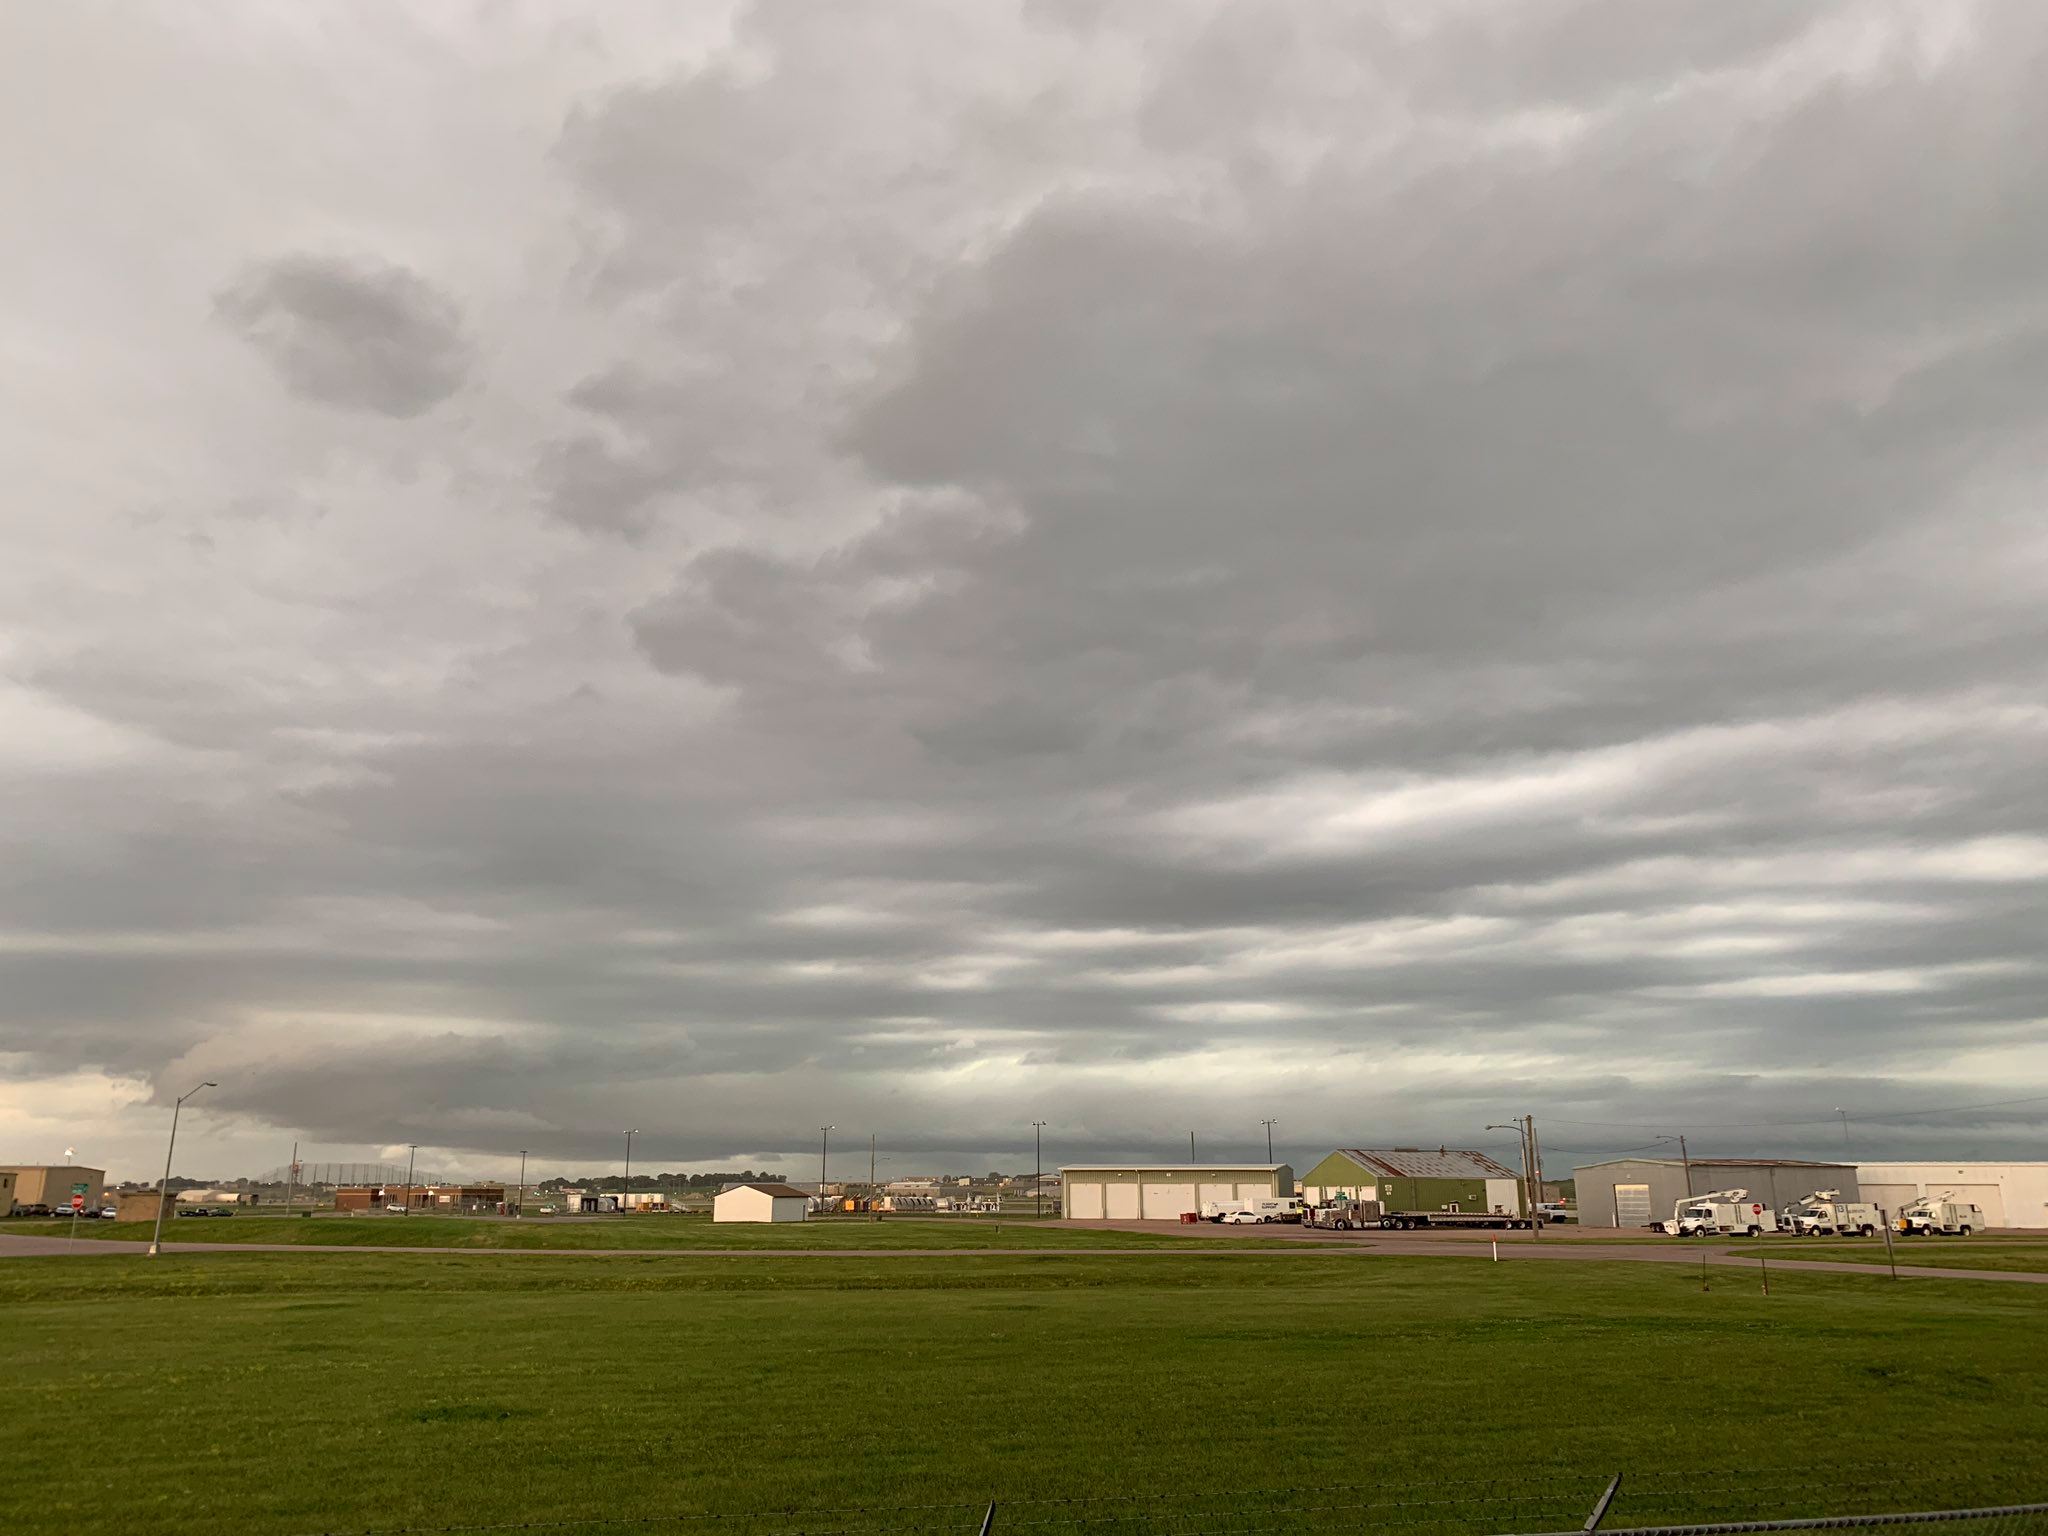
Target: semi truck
[[1720, 1213], [1343, 1215], [1939, 1216], [1825, 1214]]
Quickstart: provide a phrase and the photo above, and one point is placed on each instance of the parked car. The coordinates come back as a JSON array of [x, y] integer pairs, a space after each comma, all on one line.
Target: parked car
[[220, 1210], [1240, 1218], [1554, 1211], [191, 1211], [109, 1213]]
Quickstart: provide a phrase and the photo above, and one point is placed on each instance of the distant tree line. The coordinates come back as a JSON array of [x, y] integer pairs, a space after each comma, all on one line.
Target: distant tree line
[[617, 1182]]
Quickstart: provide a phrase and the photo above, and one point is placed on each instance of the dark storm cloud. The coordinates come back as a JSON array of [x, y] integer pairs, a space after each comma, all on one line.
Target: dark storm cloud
[[1141, 569], [366, 336]]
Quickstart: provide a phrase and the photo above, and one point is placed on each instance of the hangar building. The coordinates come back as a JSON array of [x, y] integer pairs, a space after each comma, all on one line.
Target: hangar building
[[1414, 1179], [1163, 1191], [2009, 1194], [1636, 1191]]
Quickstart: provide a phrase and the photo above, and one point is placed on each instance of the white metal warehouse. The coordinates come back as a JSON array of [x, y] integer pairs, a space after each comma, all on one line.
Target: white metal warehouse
[[2009, 1194], [759, 1202], [1163, 1191]]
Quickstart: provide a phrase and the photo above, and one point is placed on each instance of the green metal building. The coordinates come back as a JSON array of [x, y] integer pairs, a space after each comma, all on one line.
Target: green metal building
[[1415, 1179]]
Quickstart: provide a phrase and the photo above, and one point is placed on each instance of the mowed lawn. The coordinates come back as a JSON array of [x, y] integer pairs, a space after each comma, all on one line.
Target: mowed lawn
[[649, 1232], [2020, 1255], [287, 1393]]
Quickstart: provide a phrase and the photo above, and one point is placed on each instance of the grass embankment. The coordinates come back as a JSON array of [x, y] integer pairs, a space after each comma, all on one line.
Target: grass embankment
[[680, 1233], [283, 1393]]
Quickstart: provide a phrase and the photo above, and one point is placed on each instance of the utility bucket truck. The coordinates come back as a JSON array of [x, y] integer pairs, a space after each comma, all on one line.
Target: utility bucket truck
[[1940, 1216], [1723, 1213], [1824, 1213]]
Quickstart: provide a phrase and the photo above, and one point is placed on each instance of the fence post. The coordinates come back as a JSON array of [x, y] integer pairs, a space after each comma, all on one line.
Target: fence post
[[1600, 1509]]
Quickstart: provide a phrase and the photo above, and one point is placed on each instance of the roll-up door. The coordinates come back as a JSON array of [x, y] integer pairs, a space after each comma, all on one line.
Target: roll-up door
[[1890, 1198], [1631, 1205], [1084, 1202], [1217, 1193], [1120, 1201], [1166, 1202]]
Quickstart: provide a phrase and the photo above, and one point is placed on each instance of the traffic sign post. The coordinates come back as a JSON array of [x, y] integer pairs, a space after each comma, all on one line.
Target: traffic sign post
[[77, 1205]]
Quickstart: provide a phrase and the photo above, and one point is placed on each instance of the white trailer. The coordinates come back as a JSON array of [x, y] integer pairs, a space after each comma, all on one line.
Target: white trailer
[[1722, 1213], [1940, 1216], [1824, 1213]]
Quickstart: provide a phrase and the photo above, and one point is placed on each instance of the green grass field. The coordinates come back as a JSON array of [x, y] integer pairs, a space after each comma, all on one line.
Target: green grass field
[[2019, 1255], [650, 1232], [275, 1394]]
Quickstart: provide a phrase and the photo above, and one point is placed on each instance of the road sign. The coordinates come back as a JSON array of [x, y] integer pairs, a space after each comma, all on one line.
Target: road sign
[[78, 1202], [79, 1189]]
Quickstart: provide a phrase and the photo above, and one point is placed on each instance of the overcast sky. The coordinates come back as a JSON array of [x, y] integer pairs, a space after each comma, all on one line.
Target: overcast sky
[[930, 567]]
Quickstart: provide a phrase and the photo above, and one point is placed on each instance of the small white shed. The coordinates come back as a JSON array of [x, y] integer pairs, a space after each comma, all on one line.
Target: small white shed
[[759, 1202]]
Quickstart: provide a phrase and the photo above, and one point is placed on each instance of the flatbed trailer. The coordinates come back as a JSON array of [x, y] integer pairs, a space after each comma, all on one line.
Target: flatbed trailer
[[1405, 1221]]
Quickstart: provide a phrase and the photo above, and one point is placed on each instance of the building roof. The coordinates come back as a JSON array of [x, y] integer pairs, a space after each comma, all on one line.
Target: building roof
[[1417, 1163], [779, 1191], [1175, 1168], [1719, 1162]]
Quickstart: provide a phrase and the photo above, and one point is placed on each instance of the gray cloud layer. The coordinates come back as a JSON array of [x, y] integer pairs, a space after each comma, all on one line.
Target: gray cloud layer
[[1126, 568]]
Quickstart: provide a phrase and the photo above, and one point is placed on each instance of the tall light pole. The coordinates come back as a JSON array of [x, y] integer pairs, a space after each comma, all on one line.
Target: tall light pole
[[1191, 1146], [163, 1190], [1269, 1124], [1521, 1135], [629, 1170], [519, 1210], [412, 1152], [824, 1147], [1038, 1165], [1845, 1123]]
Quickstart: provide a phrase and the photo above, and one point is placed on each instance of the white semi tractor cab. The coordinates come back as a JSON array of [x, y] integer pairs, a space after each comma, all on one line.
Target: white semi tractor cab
[[1940, 1216], [1723, 1213], [1825, 1214]]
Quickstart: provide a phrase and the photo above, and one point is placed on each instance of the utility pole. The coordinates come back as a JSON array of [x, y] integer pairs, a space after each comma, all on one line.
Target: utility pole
[[1521, 1129], [1685, 1158], [519, 1210], [412, 1152], [1038, 1167], [1269, 1124], [1535, 1178], [291, 1178], [871, 1166], [629, 1171], [1845, 1123], [163, 1190], [1191, 1146], [824, 1149]]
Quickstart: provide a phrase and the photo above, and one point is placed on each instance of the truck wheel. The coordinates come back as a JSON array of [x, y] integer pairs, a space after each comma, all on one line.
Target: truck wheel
[[1756, 1231], [1867, 1231], [1964, 1232]]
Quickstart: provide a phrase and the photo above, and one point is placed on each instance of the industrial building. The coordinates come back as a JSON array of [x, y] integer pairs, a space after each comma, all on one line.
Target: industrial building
[[1415, 1179], [1164, 1191], [759, 1202], [52, 1184], [1636, 1191], [444, 1199], [6, 1191], [2009, 1194]]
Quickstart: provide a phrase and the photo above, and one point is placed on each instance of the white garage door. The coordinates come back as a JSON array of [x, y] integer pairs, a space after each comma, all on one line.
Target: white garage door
[[1120, 1201], [1257, 1189], [1165, 1202], [1084, 1202], [1218, 1192], [1990, 1198], [1631, 1205], [1890, 1197]]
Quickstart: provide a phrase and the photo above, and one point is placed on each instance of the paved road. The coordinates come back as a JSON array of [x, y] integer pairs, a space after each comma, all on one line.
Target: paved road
[[13, 1246]]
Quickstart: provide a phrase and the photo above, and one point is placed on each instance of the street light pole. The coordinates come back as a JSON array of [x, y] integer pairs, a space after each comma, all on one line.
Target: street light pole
[[1685, 1158], [1845, 1123], [824, 1149], [412, 1152], [163, 1190], [628, 1190], [519, 1210], [1038, 1167], [1269, 1124], [1191, 1146]]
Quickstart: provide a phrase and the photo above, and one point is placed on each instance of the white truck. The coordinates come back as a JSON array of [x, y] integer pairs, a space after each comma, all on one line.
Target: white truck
[[1825, 1214], [1720, 1213], [1266, 1208], [1939, 1216]]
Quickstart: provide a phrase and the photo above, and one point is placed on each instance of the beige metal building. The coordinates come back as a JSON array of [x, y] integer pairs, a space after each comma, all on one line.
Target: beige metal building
[[6, 1191], [2009, 1194], [759, 1202], [50, 1184], [1164, 1191]]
